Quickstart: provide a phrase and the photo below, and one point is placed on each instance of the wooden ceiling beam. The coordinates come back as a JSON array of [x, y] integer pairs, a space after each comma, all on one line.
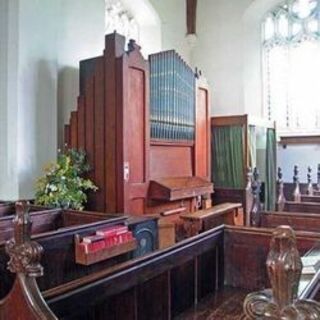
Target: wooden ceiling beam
[[191, 16]]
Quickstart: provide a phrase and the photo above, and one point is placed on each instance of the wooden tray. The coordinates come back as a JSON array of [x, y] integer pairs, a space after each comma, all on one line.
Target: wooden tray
[[104, 254]]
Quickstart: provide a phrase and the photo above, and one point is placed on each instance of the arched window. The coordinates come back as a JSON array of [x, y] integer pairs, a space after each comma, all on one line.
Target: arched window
[[117, 18], [291, 55]]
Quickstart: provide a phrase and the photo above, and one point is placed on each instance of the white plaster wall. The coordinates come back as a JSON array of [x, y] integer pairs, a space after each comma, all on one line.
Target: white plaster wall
[[228, 50], [81, 36], [219, 52], [3, 91], [28, 106], [173, 23], [8, 99], [37, 90], [302, 156], [252, 62]]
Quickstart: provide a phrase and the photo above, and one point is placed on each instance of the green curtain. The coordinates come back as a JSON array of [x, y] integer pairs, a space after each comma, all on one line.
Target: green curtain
[[252, 147], [271, 168], [227, 156]]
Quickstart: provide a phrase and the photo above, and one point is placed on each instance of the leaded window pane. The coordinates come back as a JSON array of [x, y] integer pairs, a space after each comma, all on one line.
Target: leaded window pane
[[283, 25], [303, 8], [117, 18], [291, 49], [269, 28]]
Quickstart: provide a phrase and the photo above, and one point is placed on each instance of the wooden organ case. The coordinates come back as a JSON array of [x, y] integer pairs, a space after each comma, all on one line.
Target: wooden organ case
[[145, 126]]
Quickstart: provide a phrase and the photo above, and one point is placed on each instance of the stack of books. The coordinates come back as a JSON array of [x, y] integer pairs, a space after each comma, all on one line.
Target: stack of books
[[106, 238]]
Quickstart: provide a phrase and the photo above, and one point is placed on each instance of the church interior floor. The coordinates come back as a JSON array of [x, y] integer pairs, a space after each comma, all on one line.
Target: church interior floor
[[226, 305]]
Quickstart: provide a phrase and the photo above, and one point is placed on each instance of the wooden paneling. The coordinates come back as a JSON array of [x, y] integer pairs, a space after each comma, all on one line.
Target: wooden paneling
[[112, 51], [183, 287], [170, 162], [74, 130], [81, 123], [202, 138], [135, 150], [99, 137], [252, 245], [67, 138], [207, 281], [135, 130], [89, 124], [154, 299], [297, 221]]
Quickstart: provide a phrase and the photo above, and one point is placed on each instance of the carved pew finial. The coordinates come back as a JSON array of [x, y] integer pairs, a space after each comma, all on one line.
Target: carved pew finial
[[24, 254], [318, 177], [281, 200], [296, 192], [249, 196], [25, 262], [256, 204], [133, 46], [309, 178], [284, 268]]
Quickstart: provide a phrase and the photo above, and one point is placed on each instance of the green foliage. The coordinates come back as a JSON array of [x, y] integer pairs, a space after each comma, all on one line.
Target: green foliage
[[62, 184]]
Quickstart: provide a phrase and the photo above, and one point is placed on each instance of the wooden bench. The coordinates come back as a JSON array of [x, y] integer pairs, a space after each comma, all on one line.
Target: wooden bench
[[297, 220], [199, 221], [299, 215], [162, 285], [308, 198], [299, 202], [55, 230]]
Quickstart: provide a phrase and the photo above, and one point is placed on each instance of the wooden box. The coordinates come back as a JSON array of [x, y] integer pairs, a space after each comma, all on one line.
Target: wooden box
[[103, 254]]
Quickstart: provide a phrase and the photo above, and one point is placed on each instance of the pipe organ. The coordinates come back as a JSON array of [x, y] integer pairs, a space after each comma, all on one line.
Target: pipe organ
[[145, 126]]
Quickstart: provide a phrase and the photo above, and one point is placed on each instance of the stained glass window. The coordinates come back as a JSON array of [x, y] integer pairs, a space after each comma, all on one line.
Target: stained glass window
[[117, 18], [291, 55]]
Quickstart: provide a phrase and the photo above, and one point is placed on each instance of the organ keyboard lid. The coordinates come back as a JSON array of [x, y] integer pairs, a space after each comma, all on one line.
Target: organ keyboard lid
[[171, 189]]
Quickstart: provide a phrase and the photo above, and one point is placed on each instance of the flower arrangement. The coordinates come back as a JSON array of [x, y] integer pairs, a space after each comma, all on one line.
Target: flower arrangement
[[62, 184]]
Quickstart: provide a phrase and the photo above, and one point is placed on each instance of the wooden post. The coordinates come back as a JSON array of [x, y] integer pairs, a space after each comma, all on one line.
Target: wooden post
[[191, 16], [318, 177], [296, 192], [280, 194], [284, 268], [249, 197], [310, 187], [256, 205], [25, 263]]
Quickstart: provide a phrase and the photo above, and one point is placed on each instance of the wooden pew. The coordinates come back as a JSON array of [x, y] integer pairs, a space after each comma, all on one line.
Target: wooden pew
[[46, 220], [271, 219], [297, 205], [298, 221], [7, 208], [161, 285], [202, 220], [56, 230]]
